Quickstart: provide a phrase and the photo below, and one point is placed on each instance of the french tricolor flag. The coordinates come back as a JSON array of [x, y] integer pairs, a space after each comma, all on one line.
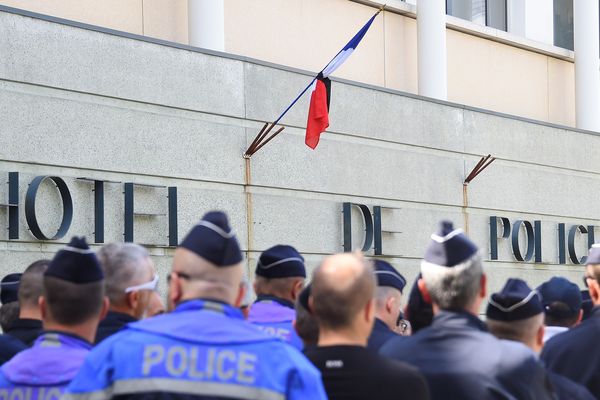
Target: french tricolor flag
[[318, 113]]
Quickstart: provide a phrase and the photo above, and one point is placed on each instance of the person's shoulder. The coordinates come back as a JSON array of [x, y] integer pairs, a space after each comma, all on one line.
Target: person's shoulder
[[405, 377], [400, 345], [515, 353], [567, 388], [10, 346], [576, 342]]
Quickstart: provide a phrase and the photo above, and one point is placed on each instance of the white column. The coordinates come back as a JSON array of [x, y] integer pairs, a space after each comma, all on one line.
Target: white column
[[206, 24], [431, 44], [587, 64]]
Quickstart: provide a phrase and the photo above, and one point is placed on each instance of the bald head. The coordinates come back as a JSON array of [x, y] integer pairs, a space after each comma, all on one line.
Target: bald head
[[342, 286], [197, 277]]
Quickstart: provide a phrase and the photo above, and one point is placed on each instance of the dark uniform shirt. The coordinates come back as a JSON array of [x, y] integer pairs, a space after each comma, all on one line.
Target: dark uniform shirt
[[26, 330], [111, 324], [353, 372], [380, 334], [576, 354], [461, 360], [9, 346]]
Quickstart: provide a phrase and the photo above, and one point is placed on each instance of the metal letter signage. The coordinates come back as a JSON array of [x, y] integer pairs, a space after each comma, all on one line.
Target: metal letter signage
[[67, 202], [13, 205], [573, 231], [533, 238], [372, 227]]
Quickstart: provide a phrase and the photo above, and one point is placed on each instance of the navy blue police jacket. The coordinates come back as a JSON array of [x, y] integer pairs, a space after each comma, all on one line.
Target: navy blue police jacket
[[576, 354], [461, 360], [202, 350], [380, 334]]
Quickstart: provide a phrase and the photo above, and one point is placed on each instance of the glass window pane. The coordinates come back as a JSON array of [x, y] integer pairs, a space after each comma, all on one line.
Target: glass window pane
[[563, 23], [496, 14]]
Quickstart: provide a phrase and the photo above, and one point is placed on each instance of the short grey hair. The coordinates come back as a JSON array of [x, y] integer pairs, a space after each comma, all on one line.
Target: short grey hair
[[382, 293], [453, 288], [123, 266]]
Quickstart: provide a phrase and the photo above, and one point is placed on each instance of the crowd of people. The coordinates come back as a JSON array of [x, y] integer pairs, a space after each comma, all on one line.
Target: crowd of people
[[89, 325]]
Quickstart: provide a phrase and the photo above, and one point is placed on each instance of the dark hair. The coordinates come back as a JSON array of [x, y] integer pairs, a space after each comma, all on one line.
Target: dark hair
[[306, 326], [560, 314], [418, 312], [70, 303], [9, 313], [31, 286], [335, 308]]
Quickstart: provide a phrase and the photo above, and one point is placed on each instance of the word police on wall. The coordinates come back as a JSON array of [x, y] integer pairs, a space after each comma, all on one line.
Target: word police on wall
[[97, 186], [524, 238]]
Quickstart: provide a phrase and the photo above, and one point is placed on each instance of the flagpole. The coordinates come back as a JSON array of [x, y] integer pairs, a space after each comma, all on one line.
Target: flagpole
[[258, 143]]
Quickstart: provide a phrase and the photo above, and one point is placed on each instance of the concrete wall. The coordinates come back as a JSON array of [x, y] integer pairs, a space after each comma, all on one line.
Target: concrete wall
[[78, 103], [305, 34]]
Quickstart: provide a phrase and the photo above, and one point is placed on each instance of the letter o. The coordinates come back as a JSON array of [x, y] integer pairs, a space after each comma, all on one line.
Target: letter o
[[530, 240], [67, 201]]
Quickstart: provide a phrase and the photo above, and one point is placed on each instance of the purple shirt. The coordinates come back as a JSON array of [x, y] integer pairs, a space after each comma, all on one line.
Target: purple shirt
[[275, 319], [44, 370]]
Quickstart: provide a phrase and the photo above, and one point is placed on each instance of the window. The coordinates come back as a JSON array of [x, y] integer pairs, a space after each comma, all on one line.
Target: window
[[483, 12], [563, 23]]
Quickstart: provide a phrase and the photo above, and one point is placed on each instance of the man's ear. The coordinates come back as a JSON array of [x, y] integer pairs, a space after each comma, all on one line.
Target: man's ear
[[43, 307], [370, 311], [594, 291], [390, 304], [424, 292], [175, 292], [133, 299], [579, 318], [540, 337], [240, 295], [297, 288], [483, 286], [105, 305]]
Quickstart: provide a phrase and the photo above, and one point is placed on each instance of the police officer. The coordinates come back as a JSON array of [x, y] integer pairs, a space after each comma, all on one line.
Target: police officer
[[203, 349], [575, 353], [343, 304], [9, 311], [130, 281], [305, 323], [72, 304], [388, 298], [457, 355], [562, 305], [516, 313], [28, 327], [280, 275]]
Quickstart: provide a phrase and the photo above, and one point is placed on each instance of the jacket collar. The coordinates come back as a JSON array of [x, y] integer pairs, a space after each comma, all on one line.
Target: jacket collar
[[381, 326], [278, 300], [117, 318], [26, 323], [459, 319], [209, 305]]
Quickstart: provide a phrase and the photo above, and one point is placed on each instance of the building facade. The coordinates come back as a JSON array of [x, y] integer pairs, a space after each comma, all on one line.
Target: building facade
[[123, 137]]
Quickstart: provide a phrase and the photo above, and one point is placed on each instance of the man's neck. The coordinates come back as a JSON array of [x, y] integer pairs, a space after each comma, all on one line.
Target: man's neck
[[473, 309], [386, 319], [87, 330], [343, 337], [122, 310], [29, 313]]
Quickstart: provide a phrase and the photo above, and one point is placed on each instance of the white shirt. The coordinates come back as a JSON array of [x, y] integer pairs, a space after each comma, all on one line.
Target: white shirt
[[551, 331]]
